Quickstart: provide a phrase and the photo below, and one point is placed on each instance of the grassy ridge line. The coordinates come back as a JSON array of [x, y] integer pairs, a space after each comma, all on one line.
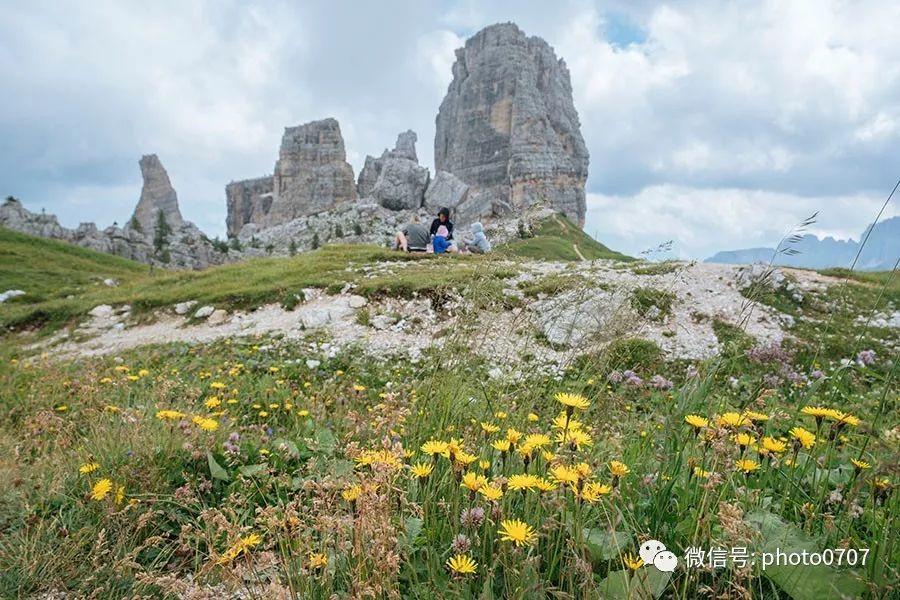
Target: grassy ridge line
[[48, 269], [555, 239], [51, 271]]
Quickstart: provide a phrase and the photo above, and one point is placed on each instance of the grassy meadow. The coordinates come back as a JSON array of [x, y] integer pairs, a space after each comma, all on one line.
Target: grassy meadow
[[261, 468]]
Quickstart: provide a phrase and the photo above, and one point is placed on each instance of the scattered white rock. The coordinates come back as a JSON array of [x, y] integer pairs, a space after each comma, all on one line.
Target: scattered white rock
[[315, 318], [312, 363], [357, 301], [183, 308], [8, 294], [101, 311], [217, 317], [109, 282], [204, 312]]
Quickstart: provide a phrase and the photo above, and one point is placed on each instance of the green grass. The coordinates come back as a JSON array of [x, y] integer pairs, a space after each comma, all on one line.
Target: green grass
[[553, 239], [892, 280], [645, 298], [242, 285], [49, 269]]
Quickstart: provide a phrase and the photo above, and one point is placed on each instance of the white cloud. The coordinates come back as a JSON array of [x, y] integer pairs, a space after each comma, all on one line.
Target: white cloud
[[702, 221]]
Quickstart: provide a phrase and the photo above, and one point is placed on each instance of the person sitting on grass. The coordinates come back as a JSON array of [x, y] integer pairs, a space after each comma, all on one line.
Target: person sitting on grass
[[478, 243], [412, 238], [443, 218], [441, 243]]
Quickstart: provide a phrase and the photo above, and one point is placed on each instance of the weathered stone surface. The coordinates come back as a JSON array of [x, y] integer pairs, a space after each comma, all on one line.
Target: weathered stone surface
[[204, 311], [9, 294], [217, 317], [508, 125], [247, 201], [157, 195], [182, 308], [368, 176], [406, 146], [401, 184], [445, 190], [101, 310], [312, 174]]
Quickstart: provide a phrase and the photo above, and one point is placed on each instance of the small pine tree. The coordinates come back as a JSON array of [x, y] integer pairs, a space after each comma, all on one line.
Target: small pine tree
[[161, 236], [136, 225], [270, 248], [254, 243], [338, 231], [315, 241], [357, 229], [292, 248], [235, 244]]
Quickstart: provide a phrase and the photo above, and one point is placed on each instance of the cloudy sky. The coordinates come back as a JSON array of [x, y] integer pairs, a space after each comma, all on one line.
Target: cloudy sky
[[717, 125]]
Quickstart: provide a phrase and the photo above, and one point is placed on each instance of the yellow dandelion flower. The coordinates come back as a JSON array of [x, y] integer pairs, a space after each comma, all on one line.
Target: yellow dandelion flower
[[490, 427], [842, 418], [584, 470], [490, 492], [100, 489], [632, 562], [696, 421], [593, 491], [564, 475], [818, 412], [805, 438], [533, 418], [536, 440], [702, 474], [860, 465], [744, 439], [88, 468], [433, 447], [513, 435], [464, 458], [746, 465], [462, 564], [572, 401], [501, 445], [521, 481], [422, 470], [473, 481], [559, 422], [756, 416], [732, 420], [359, 388], [542, 484], [169, 415], [317, 560], [618, 469], [576, 438], [772, 445], [352, 493], [517, 532], [205, 423], [217, 385], [242, 546], [120, 494]]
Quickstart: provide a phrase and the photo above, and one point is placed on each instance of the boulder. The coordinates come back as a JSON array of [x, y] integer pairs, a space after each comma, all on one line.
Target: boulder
[[217, 317], [101, 311], [401, 184], [183, 308], [445, 190], [356, 302], [204, 311], [9, 294], [508, 126]]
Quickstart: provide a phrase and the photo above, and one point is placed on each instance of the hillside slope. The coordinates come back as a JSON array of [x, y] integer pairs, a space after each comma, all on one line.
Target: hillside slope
[[48, 269], [557, 238]]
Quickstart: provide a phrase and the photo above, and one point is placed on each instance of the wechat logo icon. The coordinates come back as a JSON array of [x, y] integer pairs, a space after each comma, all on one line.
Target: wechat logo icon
[[654, 552]]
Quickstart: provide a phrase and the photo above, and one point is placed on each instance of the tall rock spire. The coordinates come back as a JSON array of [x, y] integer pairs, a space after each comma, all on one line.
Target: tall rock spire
[[157, 195], [508, 126]]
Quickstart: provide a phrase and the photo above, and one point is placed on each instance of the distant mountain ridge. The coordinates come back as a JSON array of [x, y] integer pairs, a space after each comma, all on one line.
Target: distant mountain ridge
[[880, 253]]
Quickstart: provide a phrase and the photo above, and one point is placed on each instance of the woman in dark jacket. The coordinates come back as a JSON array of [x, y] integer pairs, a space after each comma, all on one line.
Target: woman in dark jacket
[[443, 218]]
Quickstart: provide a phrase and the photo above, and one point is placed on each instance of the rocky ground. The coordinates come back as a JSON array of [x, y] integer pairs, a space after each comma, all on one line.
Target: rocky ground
[[551, 313]]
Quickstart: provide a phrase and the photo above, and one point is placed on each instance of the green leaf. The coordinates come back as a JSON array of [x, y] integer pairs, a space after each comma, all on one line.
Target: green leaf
[[646, 583], [325, 440], [215, 469], [801, 582], [606, 545], [251, 470], [413, 528]]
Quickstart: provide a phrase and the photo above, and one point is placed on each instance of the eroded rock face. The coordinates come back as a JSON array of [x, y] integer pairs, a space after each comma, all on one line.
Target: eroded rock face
[[247, 201], [312, 174], [395, 180], [157, 195], [508, 126]]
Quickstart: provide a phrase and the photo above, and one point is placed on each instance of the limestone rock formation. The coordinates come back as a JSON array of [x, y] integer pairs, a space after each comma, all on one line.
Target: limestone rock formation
[[395, 180], [157, 194], [508, 126], [312, 174], [247, 201], [184, 246]]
